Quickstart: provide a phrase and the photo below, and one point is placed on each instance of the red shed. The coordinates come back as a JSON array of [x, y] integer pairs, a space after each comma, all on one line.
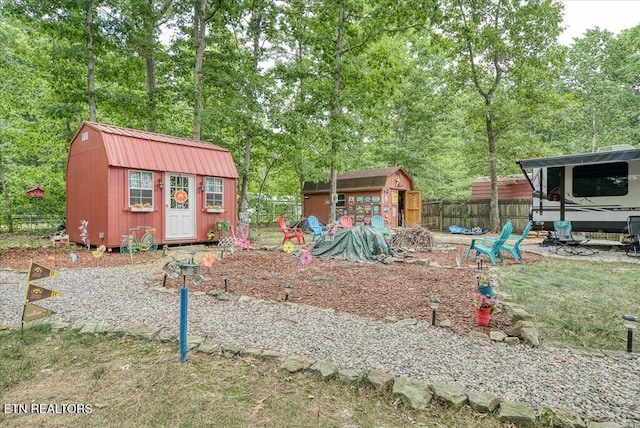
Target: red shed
[[509, 187], [119, 178], [387, 192]]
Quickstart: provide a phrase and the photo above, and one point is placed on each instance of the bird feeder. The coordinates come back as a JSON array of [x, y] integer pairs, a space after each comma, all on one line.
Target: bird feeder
[[36, 193]]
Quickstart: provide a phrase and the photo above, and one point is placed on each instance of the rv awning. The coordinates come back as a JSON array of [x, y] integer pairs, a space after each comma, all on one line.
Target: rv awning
[[583, 158]]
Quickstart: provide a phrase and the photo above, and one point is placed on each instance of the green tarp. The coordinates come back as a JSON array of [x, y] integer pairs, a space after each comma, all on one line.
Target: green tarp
[[358, 244]]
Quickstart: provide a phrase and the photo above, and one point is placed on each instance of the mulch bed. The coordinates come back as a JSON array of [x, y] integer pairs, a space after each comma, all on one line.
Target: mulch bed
[[400, 290]]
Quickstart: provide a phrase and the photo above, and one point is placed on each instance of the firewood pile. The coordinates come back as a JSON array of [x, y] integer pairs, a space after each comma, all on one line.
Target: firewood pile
[[414, 237]]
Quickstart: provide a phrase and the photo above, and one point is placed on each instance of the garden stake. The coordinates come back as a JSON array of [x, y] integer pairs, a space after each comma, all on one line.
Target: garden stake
[[184, 301]]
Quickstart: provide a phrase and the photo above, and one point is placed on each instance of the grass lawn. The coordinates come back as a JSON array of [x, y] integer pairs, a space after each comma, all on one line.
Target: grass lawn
[[133, 383], [576, 302]]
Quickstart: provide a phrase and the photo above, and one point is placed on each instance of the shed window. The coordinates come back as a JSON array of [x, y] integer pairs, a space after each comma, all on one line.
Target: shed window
[[140, 189], [607, 179], [213, 192], [341, 202]]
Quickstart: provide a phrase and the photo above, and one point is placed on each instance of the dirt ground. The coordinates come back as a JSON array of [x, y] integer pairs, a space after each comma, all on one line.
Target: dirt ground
[[400, 290]]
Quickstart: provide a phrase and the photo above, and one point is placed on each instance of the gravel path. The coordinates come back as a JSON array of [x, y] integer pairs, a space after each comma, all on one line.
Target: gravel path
[[596, 387]]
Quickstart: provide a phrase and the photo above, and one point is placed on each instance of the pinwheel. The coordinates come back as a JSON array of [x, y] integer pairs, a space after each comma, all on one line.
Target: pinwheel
[[288, 247], [242, 242], [305, 258], [207, 260]]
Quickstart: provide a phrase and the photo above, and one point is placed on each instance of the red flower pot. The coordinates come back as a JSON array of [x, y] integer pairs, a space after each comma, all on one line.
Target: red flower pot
[[483, 316]]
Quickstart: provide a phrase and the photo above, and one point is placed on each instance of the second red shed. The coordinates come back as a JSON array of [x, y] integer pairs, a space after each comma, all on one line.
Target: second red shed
[[509, 187]]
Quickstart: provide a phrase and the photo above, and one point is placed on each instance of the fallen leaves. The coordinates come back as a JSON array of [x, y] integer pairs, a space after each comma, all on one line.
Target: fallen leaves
[[259, 405]]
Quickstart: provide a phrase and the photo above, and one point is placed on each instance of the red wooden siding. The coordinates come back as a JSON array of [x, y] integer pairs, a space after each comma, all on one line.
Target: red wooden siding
[[87, 183], [514, 187], [97, 181]]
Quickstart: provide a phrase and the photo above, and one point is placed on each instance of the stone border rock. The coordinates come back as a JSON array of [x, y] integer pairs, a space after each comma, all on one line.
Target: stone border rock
[[412, 393]]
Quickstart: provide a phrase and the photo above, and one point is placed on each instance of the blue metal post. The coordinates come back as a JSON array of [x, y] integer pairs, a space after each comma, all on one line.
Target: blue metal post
[[184, 302]]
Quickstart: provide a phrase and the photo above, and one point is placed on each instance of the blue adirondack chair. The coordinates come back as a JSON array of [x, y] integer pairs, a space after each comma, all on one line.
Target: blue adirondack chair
[[512, 244], [496, 246], [377, 222], [314, 224]]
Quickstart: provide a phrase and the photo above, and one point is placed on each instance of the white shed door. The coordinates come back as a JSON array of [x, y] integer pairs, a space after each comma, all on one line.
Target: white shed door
[[180, 219]]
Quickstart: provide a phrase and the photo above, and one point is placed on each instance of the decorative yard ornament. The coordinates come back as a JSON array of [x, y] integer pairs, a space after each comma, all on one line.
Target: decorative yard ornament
[[74, 257], [242, 242], [288, 247], [305, 258], [84, 235], [207, 260], [98, 252], [30, 311], [228, 244], [331, 231]]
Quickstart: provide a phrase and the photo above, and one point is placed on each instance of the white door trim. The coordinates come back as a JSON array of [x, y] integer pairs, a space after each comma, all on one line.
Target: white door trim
[[180, 206]]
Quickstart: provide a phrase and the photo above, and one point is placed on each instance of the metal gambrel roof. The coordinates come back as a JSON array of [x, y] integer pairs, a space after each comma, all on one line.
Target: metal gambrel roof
[[130, 148]]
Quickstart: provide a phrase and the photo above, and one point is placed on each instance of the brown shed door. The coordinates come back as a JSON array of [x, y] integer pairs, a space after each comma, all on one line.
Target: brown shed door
[[413, 208]]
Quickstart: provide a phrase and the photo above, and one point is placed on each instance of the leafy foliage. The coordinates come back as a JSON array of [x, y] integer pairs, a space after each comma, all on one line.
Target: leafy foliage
[[402, 91]]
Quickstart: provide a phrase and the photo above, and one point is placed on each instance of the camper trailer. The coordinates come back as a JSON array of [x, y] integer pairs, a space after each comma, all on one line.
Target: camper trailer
[[595, 191]]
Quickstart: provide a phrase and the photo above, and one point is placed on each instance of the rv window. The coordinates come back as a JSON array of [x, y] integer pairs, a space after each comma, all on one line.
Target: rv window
[[609, 179], [554, 175]]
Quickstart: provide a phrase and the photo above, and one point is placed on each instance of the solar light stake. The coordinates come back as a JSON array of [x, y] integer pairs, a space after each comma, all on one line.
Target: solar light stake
[[224, 276], [435, 302], [630, 322], [287, 290]]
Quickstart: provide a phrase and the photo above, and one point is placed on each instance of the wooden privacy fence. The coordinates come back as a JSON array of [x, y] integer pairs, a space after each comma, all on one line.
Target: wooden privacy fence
[[439, 215]]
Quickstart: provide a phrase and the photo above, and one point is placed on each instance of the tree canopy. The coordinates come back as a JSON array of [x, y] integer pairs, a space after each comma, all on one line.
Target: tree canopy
[[301, 90]]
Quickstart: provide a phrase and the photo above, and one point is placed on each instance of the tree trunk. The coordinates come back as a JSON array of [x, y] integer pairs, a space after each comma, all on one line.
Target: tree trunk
[[594, 131], [487, 94], [90, 62], [494, 214], [199, 34], [244, 182], [152, 22], [150, 68], [7, 200], [336, 112], [256, 28]]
